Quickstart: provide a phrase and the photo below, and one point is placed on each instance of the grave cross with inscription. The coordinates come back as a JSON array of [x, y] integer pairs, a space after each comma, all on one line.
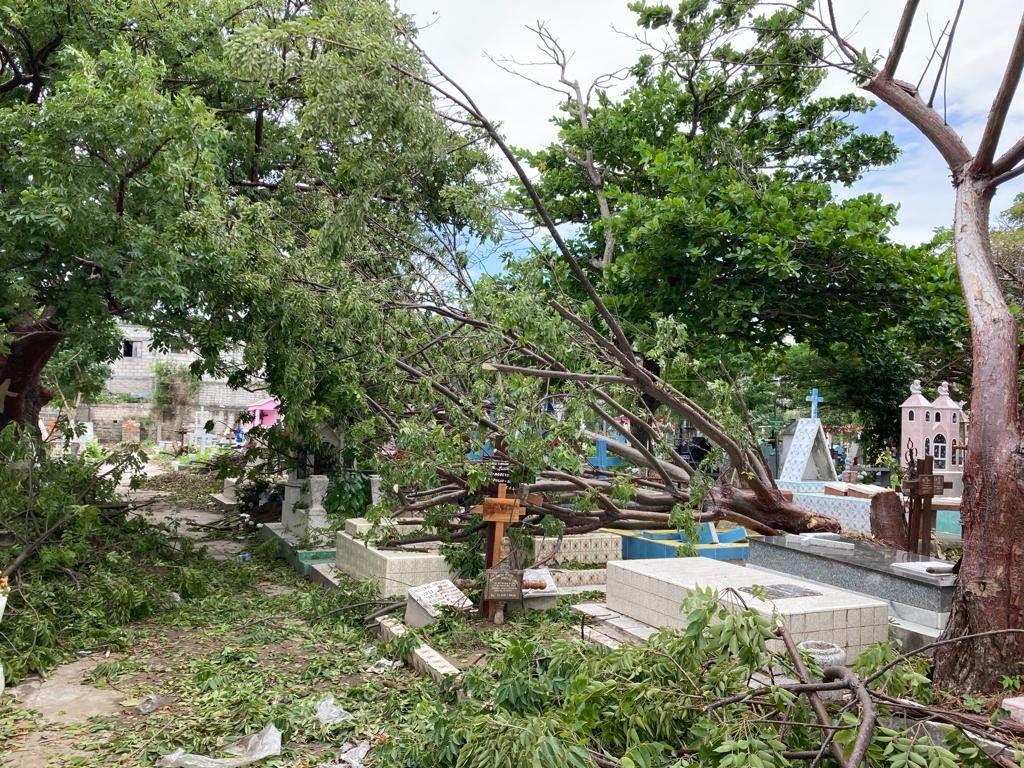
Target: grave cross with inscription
[[498, 513], [920, 486]]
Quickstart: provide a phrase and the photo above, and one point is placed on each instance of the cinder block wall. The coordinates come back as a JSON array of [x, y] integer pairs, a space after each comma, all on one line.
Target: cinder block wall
[[108, 420]]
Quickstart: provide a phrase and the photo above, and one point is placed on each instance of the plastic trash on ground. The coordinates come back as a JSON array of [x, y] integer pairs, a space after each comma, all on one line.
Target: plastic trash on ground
[[248, 749], [152, 703], [329, 714], [384, 665], [351, 756]]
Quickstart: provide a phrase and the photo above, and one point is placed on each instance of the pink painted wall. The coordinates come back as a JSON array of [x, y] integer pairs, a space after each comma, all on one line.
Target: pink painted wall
[[264, 412]]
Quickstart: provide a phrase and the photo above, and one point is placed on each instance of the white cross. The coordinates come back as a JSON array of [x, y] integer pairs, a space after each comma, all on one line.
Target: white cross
[[5, 392]]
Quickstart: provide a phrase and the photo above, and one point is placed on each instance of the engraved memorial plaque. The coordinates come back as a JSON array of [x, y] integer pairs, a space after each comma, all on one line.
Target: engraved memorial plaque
[[782, 591], [503, 585]]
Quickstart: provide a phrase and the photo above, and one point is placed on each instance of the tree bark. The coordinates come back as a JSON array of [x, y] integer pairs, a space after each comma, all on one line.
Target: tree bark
[[887, 521], [780, 514], [990, 588], [22, 394]]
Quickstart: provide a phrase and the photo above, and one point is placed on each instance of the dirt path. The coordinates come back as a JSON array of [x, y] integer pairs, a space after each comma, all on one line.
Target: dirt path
[[56, 714], [61, 702]]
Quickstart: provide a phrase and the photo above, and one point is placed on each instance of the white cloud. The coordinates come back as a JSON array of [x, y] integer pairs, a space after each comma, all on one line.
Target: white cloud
[[458, 32]]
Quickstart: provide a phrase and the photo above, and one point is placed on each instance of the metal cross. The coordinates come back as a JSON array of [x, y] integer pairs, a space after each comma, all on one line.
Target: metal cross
[[814, 399]]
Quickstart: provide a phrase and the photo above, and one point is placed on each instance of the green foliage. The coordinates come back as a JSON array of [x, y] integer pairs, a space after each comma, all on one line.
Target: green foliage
[[546, 702], [718, 161], [348, 495], [466, 558], [193, 167], [174, 387], [93, 452], [99, 571], [908, 678]]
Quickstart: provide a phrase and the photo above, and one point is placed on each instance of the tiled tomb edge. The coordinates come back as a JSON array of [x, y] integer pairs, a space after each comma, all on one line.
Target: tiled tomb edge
[[393, 571], [652, 591]]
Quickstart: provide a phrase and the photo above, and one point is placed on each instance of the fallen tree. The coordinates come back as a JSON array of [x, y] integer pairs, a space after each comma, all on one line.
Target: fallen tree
[[744, 490]]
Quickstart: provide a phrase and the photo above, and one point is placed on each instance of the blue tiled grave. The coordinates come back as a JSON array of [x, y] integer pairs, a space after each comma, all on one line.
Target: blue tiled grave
[[711, 543]]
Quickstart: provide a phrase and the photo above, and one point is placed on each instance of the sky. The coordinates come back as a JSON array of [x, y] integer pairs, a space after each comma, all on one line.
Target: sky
[[458, 35]]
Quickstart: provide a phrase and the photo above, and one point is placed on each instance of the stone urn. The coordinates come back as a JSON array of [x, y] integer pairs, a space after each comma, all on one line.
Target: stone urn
[[826, 655]]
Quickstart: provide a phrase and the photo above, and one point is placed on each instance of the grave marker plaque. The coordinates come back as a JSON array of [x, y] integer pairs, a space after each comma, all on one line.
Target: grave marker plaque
[[439, 594], [503, 586], [930, 485]]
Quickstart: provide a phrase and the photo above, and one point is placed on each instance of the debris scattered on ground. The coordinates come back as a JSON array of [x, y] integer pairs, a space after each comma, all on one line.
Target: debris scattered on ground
[[248, 749], [329, 714], [152, 703], [351, 756], [384, 665]]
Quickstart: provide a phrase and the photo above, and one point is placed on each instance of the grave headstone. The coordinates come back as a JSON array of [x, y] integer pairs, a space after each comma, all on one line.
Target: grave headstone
[[227, 498], [375, 497], [316, 490], [302, 510], [808, 457], [427, 600], [292, 497]]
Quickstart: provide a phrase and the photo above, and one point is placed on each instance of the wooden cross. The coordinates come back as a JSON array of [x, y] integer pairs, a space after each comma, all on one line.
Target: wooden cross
[[498, 513], [920, 486]]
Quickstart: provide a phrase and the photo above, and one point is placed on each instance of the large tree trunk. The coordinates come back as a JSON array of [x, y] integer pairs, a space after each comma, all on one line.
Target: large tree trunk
[[888, 521], [780, 514], [22, 395], [990, 589]]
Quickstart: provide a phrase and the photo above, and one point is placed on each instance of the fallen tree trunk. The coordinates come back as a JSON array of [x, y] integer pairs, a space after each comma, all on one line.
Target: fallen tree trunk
[[732, 503]]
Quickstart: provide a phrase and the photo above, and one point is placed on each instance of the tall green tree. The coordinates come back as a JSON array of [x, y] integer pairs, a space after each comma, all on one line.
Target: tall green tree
[[201, 168], [708, 187]]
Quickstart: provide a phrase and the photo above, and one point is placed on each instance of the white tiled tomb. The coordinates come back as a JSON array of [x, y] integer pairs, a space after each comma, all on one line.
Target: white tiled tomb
[[394, 571], [652, 591]]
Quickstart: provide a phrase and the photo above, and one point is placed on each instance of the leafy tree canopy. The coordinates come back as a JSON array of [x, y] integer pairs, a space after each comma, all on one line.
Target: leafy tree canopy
[[719, 163], [204, 168]]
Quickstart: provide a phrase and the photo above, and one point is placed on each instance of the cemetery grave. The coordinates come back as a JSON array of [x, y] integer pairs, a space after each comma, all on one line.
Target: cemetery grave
[[918, 601], [651, 592]]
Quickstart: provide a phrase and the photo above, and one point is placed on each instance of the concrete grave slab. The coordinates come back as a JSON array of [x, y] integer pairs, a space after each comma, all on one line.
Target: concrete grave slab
[[651, 591], [426, 601]]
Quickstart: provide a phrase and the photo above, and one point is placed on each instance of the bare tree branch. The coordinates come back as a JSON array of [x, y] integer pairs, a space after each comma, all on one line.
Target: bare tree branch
[[1001, 104], [899, 40]]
